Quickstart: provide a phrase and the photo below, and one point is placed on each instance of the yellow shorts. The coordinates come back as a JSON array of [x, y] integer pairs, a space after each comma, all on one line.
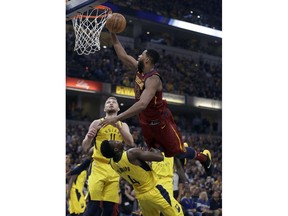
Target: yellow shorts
[[159, 200], [103, 183]]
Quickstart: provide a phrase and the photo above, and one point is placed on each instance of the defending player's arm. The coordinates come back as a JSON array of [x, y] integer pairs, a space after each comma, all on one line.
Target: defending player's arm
[[125, 133], [152, 85], [93, 129], [181, 187], [72, 179], [137, 154], [84, 165], [180, 170], [128, 60]]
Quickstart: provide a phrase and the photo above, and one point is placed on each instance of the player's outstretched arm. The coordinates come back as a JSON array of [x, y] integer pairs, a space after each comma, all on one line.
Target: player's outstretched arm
[[137, 154], [127, 60], [84, 165], [180, 170], [151, 87]]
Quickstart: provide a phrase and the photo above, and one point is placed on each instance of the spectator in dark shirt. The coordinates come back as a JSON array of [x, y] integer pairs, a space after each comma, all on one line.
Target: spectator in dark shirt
[[127, 198], [216, 204]]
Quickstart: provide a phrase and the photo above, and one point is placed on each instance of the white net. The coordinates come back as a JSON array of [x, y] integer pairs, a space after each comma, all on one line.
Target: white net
[[87, 27]]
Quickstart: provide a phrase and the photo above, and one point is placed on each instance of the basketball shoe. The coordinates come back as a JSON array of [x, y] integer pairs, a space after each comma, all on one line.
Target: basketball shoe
[[208, 166]]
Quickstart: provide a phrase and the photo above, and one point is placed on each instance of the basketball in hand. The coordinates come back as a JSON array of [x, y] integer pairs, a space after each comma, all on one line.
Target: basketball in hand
[[116, 23]]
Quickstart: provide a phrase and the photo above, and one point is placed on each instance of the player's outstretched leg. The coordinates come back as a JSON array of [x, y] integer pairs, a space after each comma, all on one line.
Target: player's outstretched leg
[[208, 166], [204, 158]]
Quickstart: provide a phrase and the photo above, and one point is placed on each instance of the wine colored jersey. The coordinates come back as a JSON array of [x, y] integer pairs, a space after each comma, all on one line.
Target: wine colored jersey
[[156, 105], [156, 120]]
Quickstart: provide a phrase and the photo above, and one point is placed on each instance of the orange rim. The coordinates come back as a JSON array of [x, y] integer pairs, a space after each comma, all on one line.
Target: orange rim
[[101, 7]]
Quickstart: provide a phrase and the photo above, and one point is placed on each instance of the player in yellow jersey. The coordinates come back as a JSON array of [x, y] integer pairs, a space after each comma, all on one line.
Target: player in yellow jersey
[[165, 172], [132, 166], [75, 195], [103, 182]]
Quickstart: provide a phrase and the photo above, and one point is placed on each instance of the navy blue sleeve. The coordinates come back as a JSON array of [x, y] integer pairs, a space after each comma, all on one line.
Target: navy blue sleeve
[[83, 166]]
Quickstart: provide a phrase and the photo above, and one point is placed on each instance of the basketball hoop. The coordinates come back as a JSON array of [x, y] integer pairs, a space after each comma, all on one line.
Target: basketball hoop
[[87, 27]]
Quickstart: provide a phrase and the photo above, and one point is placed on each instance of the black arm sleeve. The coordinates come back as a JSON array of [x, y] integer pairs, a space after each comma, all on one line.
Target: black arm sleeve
[[83, 166]]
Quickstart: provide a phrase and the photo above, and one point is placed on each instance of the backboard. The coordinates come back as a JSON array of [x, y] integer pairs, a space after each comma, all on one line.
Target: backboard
[[79, 6]]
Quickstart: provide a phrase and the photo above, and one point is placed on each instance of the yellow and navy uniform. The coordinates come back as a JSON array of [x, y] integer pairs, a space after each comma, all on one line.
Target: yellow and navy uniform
[[165, 171], [103, 181], [153, 198], [77, 203]]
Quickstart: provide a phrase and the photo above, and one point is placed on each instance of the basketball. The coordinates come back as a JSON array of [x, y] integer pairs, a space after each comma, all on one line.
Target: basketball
[[116, 23]]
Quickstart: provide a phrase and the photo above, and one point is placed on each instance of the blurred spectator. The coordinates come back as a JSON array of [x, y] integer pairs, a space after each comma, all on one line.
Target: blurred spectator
[[176, 184], [188, 205], [202, 204], [195, 191], [209, 185], [68, 164], [216, 204], [126, 81], [127, 198]]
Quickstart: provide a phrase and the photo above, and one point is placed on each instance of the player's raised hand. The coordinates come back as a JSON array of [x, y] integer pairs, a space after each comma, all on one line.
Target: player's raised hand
[[92, 132], [109, 120], [118, 125]]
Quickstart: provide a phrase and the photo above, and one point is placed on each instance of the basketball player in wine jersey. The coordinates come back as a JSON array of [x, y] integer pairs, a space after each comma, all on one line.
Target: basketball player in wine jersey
[[156, 120]]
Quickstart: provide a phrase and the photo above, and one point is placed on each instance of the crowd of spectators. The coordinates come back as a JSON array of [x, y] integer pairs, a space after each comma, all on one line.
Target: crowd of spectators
[[205, 13], [185, 76], [199, 124], [210, 47]]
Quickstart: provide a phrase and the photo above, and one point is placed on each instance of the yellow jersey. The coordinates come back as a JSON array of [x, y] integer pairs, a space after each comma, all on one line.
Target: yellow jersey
[[165, 171], [143, 178], [108, 132], [77, 203], [164, 168], [80, 182]]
